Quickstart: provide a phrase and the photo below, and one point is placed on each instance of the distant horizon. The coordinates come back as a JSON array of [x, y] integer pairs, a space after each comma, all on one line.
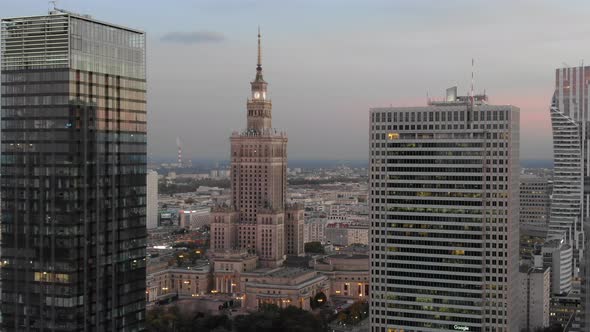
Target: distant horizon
[[294, 163]]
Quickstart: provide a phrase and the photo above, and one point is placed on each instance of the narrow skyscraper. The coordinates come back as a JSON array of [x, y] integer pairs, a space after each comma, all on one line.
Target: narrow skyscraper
[[73, 174], [444, 216], [259, 220]]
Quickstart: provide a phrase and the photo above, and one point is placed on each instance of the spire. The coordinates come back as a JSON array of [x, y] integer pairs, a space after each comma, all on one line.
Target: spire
[[259, 64]]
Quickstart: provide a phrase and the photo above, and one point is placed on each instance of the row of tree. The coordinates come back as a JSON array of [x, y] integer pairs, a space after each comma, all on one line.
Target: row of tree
[[268, 318], [190, 185]]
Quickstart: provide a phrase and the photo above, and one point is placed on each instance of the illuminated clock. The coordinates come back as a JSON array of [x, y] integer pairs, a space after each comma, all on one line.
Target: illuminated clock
[[256, 95]]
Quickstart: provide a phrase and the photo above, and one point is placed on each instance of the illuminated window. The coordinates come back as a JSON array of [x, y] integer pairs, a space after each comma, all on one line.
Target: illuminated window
[[392, 136], [52, 277]]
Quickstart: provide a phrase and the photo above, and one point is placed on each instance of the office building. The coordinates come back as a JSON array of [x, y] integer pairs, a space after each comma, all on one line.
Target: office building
[[532, 239], [347, 233], [152, 199], [535, 193], [194, 219], [569, 117], [535, 288], [258, 219], [314, 230], [73, 174], [444, 216], [570, 198], [557, 254]]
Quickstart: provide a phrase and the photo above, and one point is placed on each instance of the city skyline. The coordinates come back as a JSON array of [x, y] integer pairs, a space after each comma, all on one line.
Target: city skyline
[[324, 77], [430, 220]]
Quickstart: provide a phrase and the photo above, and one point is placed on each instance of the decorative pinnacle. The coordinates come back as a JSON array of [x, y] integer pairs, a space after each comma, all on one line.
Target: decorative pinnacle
[[259, 64]]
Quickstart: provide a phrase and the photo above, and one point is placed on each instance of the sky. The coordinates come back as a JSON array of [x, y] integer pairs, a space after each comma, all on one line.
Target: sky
[[328, 62]]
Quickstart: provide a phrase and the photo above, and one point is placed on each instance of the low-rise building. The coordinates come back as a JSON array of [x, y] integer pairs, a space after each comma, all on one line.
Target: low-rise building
[[348, 274], [283, 286], [228, 266], [184, 282], [314, 230], [194, 218], [344, 234]]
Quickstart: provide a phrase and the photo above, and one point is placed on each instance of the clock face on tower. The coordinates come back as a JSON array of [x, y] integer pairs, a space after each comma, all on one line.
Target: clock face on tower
[[256, 95]]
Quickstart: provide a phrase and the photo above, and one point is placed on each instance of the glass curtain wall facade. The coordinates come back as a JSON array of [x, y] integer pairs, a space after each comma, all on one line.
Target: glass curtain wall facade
[[444, 218], [73, 175]]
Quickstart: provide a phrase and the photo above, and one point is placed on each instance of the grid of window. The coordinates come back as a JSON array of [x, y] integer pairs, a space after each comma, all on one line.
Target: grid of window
[[444, 217]]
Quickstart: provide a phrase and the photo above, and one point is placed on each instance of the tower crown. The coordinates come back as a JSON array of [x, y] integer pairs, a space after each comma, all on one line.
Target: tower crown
[[259, 107], [259, 85]]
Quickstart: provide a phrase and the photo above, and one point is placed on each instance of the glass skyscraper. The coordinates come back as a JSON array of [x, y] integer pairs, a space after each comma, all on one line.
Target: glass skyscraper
[[73, 174]]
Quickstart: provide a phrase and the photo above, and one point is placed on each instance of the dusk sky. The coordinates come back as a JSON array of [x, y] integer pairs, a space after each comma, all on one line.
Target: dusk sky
[[328, 62]]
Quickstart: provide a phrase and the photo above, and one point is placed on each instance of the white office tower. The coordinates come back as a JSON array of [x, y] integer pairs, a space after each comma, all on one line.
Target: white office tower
[[569, 122], [152, 199], [444, 186], [570, 199]]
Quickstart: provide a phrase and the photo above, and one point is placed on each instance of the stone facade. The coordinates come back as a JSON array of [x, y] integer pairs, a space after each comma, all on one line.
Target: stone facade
[[283, 287], [184, 282], [228, 267], [348, 274]]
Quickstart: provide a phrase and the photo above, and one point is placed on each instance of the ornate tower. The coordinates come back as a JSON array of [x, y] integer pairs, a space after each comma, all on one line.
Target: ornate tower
[[258, 219], [259, 107]]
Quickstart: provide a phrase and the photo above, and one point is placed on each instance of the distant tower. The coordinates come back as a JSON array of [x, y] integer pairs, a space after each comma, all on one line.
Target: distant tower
[[179, 145]]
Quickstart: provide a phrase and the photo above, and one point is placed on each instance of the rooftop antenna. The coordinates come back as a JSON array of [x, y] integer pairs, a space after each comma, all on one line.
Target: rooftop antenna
[[54, 3], [472, 79], [471, 95]]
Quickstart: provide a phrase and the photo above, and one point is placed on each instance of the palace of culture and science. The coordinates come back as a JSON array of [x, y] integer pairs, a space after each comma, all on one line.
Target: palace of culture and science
[[258, 220]]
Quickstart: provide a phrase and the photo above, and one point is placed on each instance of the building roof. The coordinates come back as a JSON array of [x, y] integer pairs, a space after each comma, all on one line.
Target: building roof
[[62, 12]]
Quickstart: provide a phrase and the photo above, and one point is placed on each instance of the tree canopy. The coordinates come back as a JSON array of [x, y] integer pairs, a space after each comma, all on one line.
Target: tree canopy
[[268, 318], [314, 248]]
